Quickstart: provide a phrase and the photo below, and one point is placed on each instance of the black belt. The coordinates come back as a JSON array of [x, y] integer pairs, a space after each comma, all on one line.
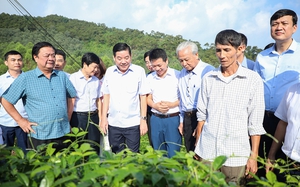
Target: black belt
[[166, 115], [91, 113], [269, 113], [190, 113]]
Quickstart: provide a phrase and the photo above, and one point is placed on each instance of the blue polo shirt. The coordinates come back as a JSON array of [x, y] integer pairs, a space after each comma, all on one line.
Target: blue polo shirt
[[45, 101]]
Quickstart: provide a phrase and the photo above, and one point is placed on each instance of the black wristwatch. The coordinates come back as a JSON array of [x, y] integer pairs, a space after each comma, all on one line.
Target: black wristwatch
[[144, 117]]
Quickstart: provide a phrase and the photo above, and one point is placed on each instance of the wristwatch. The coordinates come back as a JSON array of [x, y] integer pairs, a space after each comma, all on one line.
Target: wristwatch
[[144, 117]]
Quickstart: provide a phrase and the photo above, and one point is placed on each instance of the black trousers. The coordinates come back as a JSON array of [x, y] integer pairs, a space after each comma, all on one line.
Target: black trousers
[[189, 125], [59, 144], [92, 127], [270, 124]]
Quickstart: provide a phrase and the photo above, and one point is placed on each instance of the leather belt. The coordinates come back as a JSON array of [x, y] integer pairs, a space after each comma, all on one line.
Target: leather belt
[[166, 115], [269, 113], [91, 113], [190, 113]]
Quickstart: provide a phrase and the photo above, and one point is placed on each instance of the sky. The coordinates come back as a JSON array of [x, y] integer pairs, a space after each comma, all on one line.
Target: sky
[[196, 20]]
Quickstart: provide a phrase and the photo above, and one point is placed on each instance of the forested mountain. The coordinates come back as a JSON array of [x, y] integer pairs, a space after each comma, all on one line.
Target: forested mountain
[[76, 37]]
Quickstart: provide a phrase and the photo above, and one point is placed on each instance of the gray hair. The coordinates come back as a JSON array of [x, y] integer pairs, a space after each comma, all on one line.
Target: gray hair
[[186, 44]]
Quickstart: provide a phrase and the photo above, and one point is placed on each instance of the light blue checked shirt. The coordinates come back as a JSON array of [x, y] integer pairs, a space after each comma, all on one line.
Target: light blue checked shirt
[[45, 101]]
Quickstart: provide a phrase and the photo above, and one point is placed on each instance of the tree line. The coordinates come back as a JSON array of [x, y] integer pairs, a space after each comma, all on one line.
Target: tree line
[[77, 37]]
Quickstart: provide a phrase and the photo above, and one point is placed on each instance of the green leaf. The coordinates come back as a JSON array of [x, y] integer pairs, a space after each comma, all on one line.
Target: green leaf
[[85, 147], [271, 177], [23, 179], [64, 180], [50, 150], [75, 130], [218, 162], [19, 152], [43, 168], [155, 178], [291, 179]]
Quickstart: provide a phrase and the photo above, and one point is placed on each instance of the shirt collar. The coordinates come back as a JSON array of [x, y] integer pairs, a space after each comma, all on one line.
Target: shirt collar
[[129, 69], [39, 73], [292, 48], [196, 69], [169, 72], [240, 73]]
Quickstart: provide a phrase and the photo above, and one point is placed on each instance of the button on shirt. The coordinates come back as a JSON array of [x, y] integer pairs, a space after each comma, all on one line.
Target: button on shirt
[[5, 119], [233, 109], [124, 90], [288, 111], [189, 86], [88, 91], [279, 72], [164, 89], [45, 101]]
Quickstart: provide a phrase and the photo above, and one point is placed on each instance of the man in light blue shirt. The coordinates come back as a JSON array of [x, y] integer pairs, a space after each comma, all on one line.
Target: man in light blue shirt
[[189, 85], [47, 96], [242, 59], [11, 130], [124, 95], [279, 68]]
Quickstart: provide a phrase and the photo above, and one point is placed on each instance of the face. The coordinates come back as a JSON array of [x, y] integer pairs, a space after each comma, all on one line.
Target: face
[[148, 64], [227, 55], [59, 62], [45, 59], [160, 67], [122, 60], [14, 62], [187, 59], [282, 29], [90, 70]]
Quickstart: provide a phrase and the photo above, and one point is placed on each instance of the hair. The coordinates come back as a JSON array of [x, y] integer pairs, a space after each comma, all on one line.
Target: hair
[[89, 58], [36, 48], [268, 46], [121, 47], [244, 39], [228, 37], [147, 54], [60, 52], [12, 52], [186, 44], [102, 69], [284, 12], [158, 53]]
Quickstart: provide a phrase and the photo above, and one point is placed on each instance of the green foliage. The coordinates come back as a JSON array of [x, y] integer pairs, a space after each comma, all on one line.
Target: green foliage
[[77, 37], [79, 165]]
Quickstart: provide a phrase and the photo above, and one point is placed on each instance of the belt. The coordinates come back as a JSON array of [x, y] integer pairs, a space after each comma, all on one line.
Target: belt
[[190, 113], [91, 113], [166, 115], [269, 113]]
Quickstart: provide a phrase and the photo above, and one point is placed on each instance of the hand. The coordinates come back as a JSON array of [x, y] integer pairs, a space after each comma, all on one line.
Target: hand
[[180, 128], [195, 135], [26, 125], [270, 164], [162, 107], [251, 167], [143, 127], [103, 125]]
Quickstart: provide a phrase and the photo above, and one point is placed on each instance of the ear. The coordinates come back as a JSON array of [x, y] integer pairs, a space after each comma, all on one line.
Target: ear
[[295, 28], [6, 63], [35, 57]]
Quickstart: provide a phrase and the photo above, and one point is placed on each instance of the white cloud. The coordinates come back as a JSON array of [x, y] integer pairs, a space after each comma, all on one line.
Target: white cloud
[[198, 20]]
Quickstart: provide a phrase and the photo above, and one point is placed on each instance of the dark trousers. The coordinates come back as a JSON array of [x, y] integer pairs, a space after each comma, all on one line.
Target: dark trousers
[[81, 121], [270, 124], [59, 144], [120, 138], [165, 134], [149, 113], [10, 133], [189, 125]]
